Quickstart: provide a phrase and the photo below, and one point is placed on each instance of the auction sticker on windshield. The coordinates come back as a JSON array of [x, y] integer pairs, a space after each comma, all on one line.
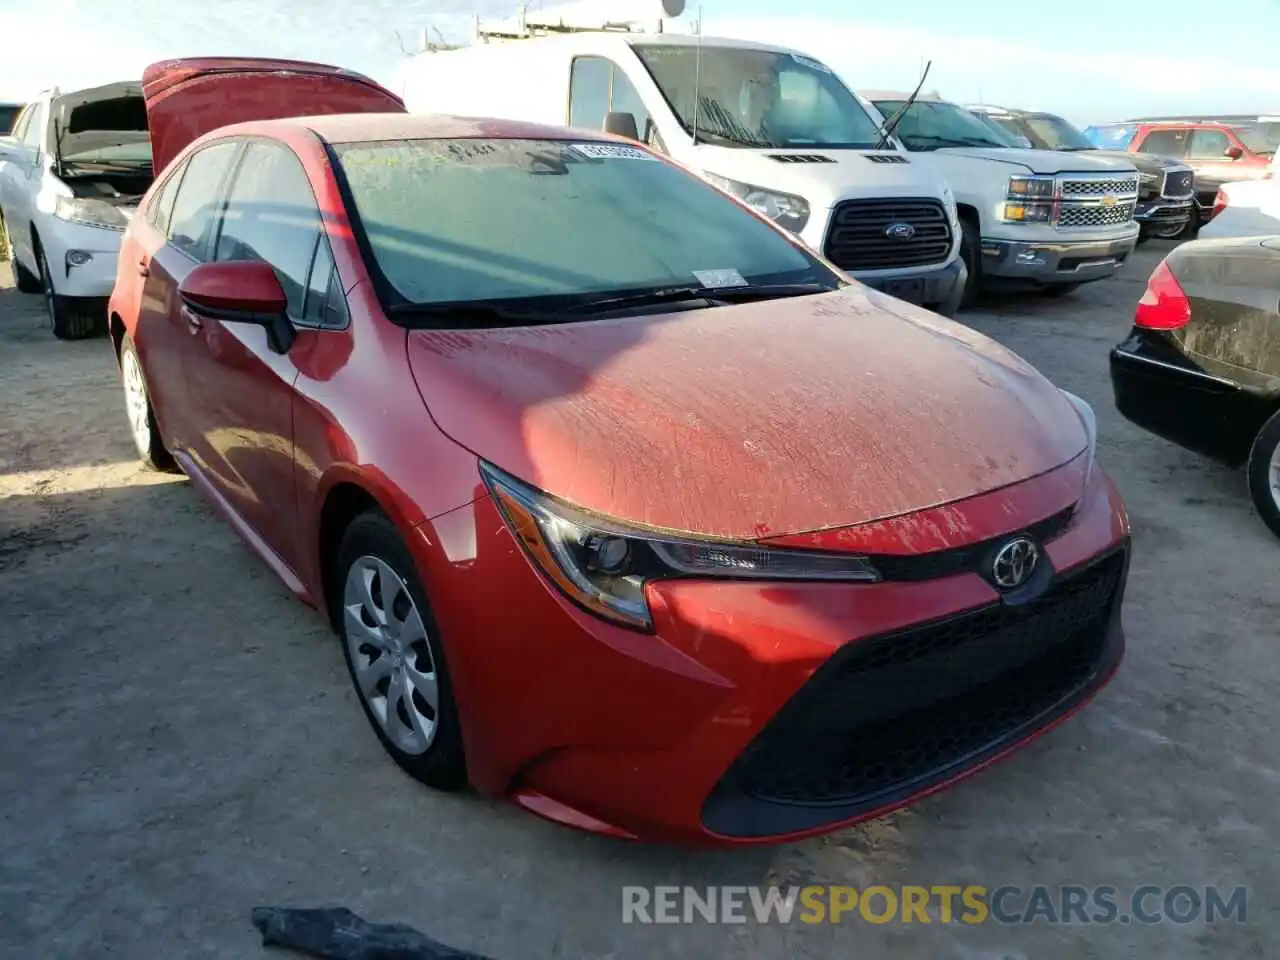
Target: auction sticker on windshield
[[611, 151], [719, 279]]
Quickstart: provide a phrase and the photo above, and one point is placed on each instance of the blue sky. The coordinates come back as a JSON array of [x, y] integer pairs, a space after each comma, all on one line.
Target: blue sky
[[1002, 51]]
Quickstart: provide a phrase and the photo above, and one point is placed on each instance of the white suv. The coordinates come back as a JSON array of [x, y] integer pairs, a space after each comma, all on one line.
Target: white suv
[[72, 171]]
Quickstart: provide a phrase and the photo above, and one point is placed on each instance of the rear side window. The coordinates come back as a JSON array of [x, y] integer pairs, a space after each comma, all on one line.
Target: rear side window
[[20, 124], [272, 215], [1165, 143], [160, 207], [195, 209], [1208, 145], [33, 134]]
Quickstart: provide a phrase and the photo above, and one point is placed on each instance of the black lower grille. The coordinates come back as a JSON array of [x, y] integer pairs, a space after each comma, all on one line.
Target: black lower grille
[[888, 716], [884, 234]]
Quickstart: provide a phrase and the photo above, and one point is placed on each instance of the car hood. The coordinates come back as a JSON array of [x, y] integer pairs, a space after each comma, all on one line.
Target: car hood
[[1146, 162], [188, 98], [76, 136], [753, 420], [823, 176], [1042, 161]]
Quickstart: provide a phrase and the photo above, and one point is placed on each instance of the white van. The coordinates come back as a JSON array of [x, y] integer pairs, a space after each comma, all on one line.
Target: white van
[[771, 125]]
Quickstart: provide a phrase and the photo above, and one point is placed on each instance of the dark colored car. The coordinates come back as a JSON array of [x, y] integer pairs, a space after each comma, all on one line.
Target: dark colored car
[[624, 505], [1218, 152], [1201, 366], [1166, 206], [8, 113]]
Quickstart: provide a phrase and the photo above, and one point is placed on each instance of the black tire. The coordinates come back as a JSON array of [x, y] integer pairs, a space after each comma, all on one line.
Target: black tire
[[372, 535], [23, 279], [152, 452], [971, 254], [1261, 473], [69, 319], [1143, 236], [1058, 289]]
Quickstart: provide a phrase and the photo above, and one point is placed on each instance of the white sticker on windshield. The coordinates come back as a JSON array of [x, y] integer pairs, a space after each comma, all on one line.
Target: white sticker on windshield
[[611, 151], [719, 279], [811, 64]]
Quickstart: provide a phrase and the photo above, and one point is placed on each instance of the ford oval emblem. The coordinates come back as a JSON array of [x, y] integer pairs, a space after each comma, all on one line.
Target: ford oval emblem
[[900, 231]]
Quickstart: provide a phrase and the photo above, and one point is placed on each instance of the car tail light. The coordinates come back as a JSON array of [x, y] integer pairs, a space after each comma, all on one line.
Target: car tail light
[[1220, 203], [1164, 305]]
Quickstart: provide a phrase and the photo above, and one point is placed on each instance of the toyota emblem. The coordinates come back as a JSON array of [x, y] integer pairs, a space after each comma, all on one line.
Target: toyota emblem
[[900, 231], [1014, 563]]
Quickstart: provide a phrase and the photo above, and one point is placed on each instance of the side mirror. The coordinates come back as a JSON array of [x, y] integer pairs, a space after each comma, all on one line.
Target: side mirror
[[1233, 152], [241, 291], [622, 125]]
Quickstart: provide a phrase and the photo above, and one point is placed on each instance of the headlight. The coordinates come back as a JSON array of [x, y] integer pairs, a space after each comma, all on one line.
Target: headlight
[[782, 208], [95, 213], [1148, 177], [1029, 200], [1090, 421], [603, 566]]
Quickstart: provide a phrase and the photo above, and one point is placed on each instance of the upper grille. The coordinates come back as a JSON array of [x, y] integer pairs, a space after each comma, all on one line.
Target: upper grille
[[1098, 187], [1179, 185], [890, 715], [1094, 216], [856, 238]]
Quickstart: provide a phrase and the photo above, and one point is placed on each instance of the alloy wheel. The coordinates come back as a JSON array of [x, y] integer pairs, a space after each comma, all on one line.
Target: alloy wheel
[[390, 654], [1275, 476], [46, 282]]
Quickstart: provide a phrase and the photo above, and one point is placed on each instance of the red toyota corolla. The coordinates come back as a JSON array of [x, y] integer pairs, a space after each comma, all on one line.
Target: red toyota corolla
[[624, 504]]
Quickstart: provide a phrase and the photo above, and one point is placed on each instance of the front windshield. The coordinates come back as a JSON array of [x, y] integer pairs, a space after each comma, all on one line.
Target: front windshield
[[930, 124], [454, 221], [1255, 138], [758, 98], [1053, 133]]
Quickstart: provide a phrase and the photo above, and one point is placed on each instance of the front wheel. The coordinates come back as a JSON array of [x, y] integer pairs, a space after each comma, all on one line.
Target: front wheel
[[1264, 473], [23, 279], [68, 319], [394, 654], [971, 253]]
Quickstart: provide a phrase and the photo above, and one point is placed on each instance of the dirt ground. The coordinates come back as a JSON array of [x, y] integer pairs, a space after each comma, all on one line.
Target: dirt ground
[[178, 741]]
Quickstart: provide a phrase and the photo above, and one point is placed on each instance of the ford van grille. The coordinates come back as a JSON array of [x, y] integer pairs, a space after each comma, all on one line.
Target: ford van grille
[[861, 234]]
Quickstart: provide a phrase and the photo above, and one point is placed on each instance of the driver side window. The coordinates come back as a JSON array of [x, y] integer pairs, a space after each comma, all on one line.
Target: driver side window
[[597, 86]]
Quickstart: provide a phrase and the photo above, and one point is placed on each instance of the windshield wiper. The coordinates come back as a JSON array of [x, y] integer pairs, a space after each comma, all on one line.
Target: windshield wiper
[[953, 141], [648, 298]]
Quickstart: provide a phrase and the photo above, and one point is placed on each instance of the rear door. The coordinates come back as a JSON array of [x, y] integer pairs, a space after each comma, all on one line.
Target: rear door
[[188, 98], [22, 176], [242, 392], [175, 236]]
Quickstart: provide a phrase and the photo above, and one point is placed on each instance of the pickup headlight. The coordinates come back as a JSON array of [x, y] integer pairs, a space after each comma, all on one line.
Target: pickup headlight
[[784, 209], [603, 565], [1148, 177], [1029, 200], [1090, 422], [94, 213]]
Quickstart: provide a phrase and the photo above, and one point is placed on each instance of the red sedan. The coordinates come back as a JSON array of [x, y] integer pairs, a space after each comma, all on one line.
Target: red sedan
[[624, 504]]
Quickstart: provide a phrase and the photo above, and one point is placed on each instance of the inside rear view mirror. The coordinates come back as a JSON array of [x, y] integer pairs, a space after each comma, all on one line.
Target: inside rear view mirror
[[240, 291], [1233, 153], [622, 125]]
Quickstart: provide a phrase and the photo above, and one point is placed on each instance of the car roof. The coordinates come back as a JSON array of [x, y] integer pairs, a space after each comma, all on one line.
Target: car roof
[[366, 127]]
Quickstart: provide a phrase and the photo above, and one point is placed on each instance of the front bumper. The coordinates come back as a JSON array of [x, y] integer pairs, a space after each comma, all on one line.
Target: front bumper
[[645, 736], [1165, 218], [1051, 262], [93, 278], [939, 288], [1159, 389]]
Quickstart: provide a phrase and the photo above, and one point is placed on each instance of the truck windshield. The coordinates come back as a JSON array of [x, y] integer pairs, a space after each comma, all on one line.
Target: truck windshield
[[931, 124], [1049, 132], [540, 225], [757, 98]]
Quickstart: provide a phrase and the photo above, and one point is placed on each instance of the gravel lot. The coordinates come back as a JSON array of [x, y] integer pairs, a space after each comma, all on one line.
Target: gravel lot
[[178, 742]]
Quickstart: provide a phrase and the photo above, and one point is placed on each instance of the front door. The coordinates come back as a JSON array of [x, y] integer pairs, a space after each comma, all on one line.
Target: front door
[[242, 392]]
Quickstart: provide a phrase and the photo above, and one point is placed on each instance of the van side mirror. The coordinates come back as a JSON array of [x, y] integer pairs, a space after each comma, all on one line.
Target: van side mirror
[[1233, 152], [240, 291], [622, 125]]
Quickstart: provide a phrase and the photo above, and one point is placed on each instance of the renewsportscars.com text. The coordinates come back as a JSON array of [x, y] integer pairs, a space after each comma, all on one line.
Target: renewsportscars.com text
[[939, 903]]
